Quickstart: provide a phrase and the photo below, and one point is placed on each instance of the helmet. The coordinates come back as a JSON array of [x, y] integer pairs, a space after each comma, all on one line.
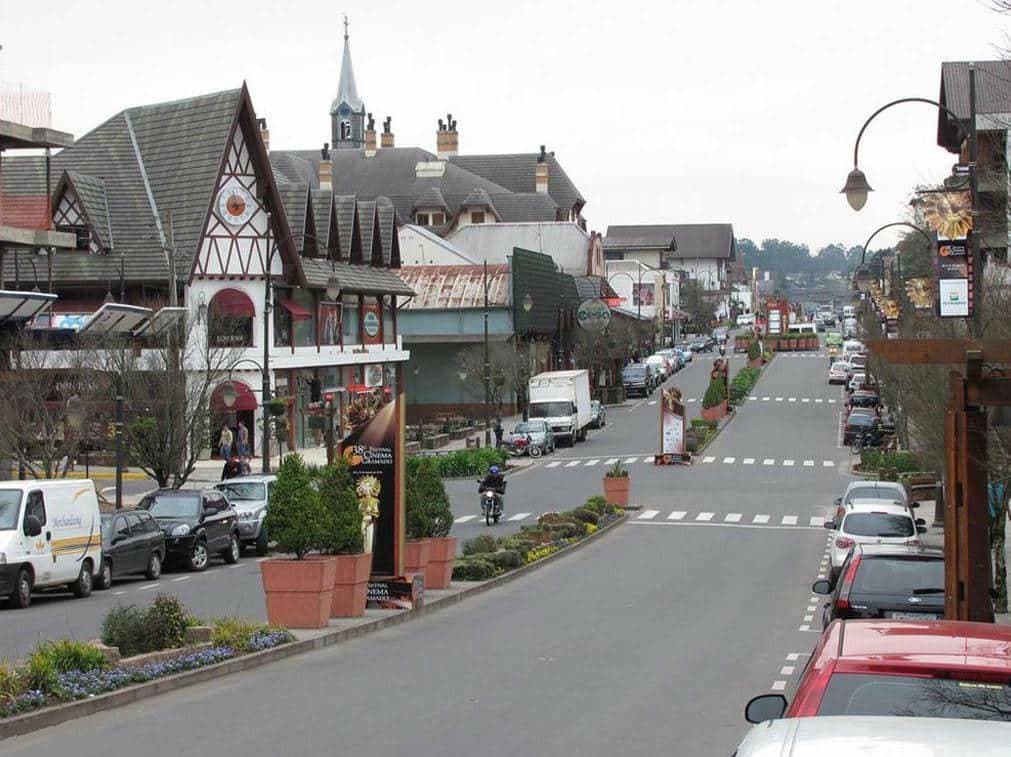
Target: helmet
[[493, 469]]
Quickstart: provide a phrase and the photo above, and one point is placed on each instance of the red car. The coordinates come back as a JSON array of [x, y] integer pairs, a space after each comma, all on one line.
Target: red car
[[940, 668]]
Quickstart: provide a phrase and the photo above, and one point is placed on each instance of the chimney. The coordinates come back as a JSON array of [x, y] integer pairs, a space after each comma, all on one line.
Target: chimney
[[541, 173], [387, 136], [370, 137], [264, 132], [325, 169], [447, 140]]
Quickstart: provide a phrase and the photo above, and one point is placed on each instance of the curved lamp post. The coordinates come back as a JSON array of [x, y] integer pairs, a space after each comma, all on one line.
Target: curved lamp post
[[862, 275], [228, 396]]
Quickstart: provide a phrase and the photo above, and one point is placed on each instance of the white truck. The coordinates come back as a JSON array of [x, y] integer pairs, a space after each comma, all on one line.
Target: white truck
[[562, 398]]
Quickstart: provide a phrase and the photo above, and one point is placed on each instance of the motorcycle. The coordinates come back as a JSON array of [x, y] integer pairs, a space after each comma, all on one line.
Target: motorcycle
[[881, 438], [491, 504], [523, 446]]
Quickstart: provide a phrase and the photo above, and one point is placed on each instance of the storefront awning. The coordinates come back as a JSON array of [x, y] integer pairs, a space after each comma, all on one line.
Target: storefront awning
[[245, 399], [232, 303], [298, 313]]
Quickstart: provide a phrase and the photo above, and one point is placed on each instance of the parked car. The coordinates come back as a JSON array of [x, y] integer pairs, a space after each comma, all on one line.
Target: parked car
[[674, 356], [864, 398], [858, 420], [686, 353], [539, 431], [873, 736], [701, 344], [132, 543], [871, 522], [637, 379], [598, 415], [857, 381], [720, 334], [196, 524], [839, 372], [660, 367], [858, 361], [892, 491], [250, 496], [927, 669], [903, 582]]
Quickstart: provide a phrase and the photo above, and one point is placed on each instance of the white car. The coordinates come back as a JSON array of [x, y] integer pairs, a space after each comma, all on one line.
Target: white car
[[871, 522], [891, 491], [839, 372], [856, 381], [660, 364]]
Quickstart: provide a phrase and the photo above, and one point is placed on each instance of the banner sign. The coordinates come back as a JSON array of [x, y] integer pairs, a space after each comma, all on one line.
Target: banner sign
[[953, 264], [593, 315], [370, 452], [672, 429]]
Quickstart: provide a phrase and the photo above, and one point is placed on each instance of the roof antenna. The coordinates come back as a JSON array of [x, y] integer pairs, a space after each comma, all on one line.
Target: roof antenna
[[345, 27]]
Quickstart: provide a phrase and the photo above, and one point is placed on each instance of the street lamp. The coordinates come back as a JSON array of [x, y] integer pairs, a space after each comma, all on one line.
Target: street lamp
[[333, 286], [856, 189]]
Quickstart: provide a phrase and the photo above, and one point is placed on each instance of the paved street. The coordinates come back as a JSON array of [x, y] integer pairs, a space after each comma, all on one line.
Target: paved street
[[621, 647]]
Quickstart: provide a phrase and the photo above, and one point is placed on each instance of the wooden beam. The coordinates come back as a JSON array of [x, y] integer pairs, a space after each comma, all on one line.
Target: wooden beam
[[938, 351], [989, 391]]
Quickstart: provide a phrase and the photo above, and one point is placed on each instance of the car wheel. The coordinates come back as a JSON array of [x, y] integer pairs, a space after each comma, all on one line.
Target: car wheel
[[261, 542], [21, 597], [104, 580], [198, 558], [233, 552], [84, 583], [153, 567]]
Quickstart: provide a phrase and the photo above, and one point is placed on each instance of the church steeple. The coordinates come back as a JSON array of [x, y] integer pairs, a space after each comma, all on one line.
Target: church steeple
[[347, 112]]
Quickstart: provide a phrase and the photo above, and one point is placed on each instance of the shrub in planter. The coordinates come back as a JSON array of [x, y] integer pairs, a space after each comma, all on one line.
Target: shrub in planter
[[124, 628], [166, 623], [508, 559], [617, 485], [245, 635], [479, 545], [754, 351], [703, 425], [692, 441], [716, 393], [299, 591], [474, 569], [585, 515], [346, 541], [136, 631]]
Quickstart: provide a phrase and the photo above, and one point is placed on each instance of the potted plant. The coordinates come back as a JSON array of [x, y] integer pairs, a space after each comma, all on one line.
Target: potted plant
[[298, 591], [617, 485], [754, 354], [277, 406], [346, 541], [417, 546], [715, 401], [426, 495]]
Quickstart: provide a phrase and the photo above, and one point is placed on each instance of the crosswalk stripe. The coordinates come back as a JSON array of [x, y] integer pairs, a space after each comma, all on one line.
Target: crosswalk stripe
[[464, 518], [789, 520], [779, 399], [816, 521], [677, 515], [555, 464], [573, 464], [728, 460], [648, 514], [760, 519], [733, 518], [752, 397], [765, 399], [819, 400], [809, 463], [768, 461], [690, 400], [788, 463], [630, 460], [806, 399], [748, 461], [610, 461], [792, 399], [704, 516], [591, 463], [831, 402], [708, 459], [827, 464], [520, 516], [651, 402]]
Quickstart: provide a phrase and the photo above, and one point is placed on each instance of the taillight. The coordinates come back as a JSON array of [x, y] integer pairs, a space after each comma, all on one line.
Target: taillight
[[843, 602], [844, 542]]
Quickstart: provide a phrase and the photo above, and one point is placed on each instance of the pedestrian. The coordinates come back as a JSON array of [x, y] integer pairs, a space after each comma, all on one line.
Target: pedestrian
[[243, 439], [499, 431], [225, 442], [232, 468]]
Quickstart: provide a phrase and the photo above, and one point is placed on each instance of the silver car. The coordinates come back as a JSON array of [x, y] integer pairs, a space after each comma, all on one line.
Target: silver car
[[250, 496], [540, 434]]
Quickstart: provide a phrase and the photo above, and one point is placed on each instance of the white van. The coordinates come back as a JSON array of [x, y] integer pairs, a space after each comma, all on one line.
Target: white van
[[849, 311], [50, 535]]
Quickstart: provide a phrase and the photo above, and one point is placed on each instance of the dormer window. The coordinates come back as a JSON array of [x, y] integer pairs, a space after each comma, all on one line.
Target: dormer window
[[422, 219], [438, 219], [477, 216], [430, 218]]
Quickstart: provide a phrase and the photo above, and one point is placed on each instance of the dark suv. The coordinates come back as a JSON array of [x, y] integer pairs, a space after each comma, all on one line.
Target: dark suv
[[637, 379], [196, 524], [132, 542]]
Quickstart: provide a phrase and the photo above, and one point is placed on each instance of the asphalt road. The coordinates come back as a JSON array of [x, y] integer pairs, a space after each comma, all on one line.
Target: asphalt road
[[650, 640]]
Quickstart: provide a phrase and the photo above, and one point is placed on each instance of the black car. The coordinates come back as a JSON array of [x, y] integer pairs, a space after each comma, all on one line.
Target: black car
[[864, 398], [702, 344], [196, 524], [897, 581], [637, 379], [132, 542]]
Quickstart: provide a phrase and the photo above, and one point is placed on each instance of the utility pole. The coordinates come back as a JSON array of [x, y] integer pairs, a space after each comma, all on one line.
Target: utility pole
[[975, 256], [487, 366]]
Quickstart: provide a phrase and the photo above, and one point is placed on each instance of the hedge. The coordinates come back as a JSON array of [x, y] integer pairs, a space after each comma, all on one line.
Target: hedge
[[716, 393], [742, 384], [462, 463], [900, 462]]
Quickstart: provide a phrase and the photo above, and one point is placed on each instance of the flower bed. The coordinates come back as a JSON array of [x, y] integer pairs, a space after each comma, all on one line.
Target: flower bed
[[742, 384], [873, 460], [464, 462], [486, 556]]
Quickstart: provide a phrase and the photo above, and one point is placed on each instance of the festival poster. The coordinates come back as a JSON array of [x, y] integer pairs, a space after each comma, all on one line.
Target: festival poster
[[370, 452], [329, 323], [673, 424]]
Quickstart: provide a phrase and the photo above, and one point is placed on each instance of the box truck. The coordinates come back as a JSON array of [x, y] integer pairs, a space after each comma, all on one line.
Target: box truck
[[562, 398]]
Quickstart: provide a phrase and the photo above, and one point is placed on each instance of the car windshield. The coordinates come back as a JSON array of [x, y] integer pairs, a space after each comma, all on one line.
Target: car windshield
[[900, 575], [634, 371], [243, 491], [872, 492], [864, 694], [550, 409], [883, 525], [529, 428], [171, 505], [861, 419], [10, 501]]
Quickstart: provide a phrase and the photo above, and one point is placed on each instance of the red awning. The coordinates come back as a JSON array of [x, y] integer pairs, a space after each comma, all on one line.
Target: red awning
[[232, 303], [298, 313], [244, 398]]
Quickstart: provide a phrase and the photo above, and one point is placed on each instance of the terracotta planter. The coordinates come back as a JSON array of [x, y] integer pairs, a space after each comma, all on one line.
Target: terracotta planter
[[616, 490], [416, 555], [299, 592], [439, 570], [715, 413], [350, 585]]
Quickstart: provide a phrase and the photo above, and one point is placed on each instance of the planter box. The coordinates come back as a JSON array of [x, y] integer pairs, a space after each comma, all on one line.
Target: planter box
[[351, 585], [439, 570], [412, 447], [715, 413], [416, 555], [616, 490], [299, 592], [440, 440], [458, 433]]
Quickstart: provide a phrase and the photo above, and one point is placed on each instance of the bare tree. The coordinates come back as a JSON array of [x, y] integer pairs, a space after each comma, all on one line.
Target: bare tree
[[508, 370]]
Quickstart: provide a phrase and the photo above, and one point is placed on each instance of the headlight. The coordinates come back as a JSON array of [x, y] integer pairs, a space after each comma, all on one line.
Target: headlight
[[181, 530]]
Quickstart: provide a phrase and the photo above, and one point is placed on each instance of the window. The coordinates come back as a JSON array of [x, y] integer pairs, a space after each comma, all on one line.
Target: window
[[230, 319], [389, 335], [345, 129], [438, 219], [10, 506], [881, 525], [860, 694], [134, 523], [350, 320], [120, 530], [423, 219], [36, 506], [477, 216]]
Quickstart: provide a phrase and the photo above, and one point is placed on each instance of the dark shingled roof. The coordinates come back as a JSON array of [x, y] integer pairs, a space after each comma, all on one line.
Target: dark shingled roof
[[295, 199], [993, 95], [345, 207], [693, 240], [362, 279], [322, 207], [432, 198], [91, 191], [478, 198], [515, 172], [387, 227]]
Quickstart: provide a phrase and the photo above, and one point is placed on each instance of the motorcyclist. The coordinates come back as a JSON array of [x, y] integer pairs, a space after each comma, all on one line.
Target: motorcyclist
[[494, 480]]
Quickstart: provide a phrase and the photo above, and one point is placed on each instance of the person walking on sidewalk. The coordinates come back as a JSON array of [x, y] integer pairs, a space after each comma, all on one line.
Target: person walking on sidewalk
[[499, 431], [225, 442], [243, 440]]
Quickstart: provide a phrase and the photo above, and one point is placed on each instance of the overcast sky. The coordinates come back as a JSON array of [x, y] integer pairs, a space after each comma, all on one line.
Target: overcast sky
[[661, 112]]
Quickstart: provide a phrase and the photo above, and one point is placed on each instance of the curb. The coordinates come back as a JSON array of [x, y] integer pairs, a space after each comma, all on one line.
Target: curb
[[50, 716]]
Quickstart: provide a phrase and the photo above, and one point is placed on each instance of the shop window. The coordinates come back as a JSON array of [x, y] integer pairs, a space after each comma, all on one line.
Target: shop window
[[230, 319], [438, 219], [351, 304]]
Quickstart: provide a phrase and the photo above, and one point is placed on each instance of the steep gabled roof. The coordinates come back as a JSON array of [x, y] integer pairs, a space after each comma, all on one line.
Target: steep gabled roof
[[675, 241], [347, 90], [296, 200], [387, 217], [993, 95], [346, 207], [516, 171], [91, 192], [432, 198], [478, 198], [322, 207], [361, 279]]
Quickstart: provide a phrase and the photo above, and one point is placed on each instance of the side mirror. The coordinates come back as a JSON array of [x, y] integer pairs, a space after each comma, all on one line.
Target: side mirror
[[921, 522], [823, 586], [830, 525], [765, 707], [921, 529], [33, 526]]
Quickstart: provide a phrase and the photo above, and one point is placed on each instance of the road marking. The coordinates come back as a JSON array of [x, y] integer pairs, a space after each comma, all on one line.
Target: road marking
[[779, 399], [648, 514], [690, 400], [804, 628], [778, 685], [677, 515], [554, 464], [818, 401], [827, 464], [816, 521], [708, 459], [705, 516], [760, 519], [118, 593], [831, 402], [709, 524], [768, 461], [519, 516], [811, 608], [748, 461], [148, 587], [808, 618], [788, 463], [574, 463], [628, 460], [180, 578], [789, 520], [794, 656], [651, 402], [765, 399], [806, 399], [464, 518], [611, 461], [809, 463], [792, 399], [733, 518], [591, 463], [786, 670], [728, 460]]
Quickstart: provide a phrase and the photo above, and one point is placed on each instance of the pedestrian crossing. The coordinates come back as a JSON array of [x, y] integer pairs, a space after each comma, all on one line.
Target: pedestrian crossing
[[728, 519], [706, 460], [785, 399]]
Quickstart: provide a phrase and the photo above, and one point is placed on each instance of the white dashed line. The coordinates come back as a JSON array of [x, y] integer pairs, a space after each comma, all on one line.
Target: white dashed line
[[591, 463], [630, 460], [804, 628], [794, 656], [519, 516], [792, 399], [779, 399], [554, 464], [818, 401], [677, 515], [118, 593], [733, 518], [765, 399], [768, 461], [651, 403], [831, 402], [760, 519], [464, 518], [705, 516], [806, 399], [148, 587], [183, 578], [609, 461], [778, 685], [808, 618], [648, 514], [574, 463], [827, 464], [753, 397], [816, 521], [708, 459], [789, 520], [787, 670], [748, 461], [809, 463], [788, 463], [728, 460]]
